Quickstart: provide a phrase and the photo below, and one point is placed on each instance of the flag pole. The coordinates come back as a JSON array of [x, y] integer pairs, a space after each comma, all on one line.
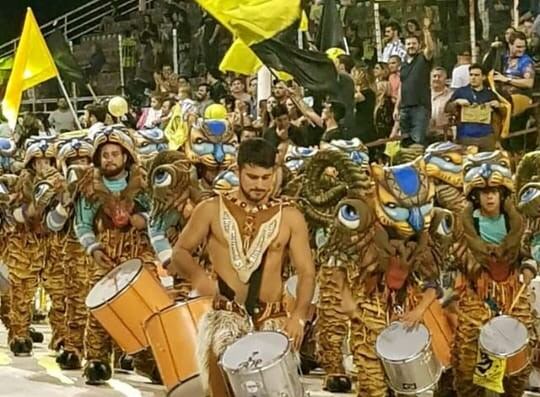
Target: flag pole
[[175, 50], [94, 96], [120, 52], [64, 91], [378, 34]]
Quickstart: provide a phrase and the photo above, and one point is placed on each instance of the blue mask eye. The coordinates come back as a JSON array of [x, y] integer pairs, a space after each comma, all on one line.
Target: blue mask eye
[[529, 195], [348, 216], [216, 127], [162, 179]]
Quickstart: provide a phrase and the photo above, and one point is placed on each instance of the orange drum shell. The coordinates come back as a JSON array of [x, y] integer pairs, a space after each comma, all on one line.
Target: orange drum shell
[[518, 362], [442, 335], [123, 316], [172, 335]]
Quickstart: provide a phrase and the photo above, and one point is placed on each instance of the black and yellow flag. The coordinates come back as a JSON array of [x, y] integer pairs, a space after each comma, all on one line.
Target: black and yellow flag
[[330, 32], [257, 24]]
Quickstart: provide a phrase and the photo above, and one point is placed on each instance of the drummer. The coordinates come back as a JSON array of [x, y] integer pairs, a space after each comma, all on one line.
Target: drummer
[[110, 225], [491, 265], [248, 236]]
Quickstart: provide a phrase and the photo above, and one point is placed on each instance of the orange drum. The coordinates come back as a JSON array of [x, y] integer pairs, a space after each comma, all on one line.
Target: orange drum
[[172, 335], [290, 297], [124, 299], [442, 335]]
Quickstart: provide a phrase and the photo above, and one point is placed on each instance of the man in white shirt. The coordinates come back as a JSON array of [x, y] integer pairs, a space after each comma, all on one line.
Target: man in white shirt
[[394, 46], [61, 120], [440, 95], [460, 74]]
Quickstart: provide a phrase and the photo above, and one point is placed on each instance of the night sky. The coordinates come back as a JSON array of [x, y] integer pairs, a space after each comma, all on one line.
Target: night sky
[[12, 13]]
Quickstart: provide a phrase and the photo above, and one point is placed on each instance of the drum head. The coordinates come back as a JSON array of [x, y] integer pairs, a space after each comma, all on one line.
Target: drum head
[[290, 287], [255, 350], [398, 343], [113, 283], [4, 278], [503, 336]]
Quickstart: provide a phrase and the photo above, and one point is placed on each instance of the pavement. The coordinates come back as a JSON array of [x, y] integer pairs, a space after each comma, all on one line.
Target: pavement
[[40, 376]]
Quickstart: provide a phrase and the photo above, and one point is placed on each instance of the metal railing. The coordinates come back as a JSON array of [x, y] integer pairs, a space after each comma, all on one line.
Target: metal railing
[[82, 20]]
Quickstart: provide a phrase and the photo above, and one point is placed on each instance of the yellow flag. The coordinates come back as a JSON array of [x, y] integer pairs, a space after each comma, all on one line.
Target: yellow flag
[[176, 130], [254, 20], [33, 65], [489, 372], [304, 22], [240, 59]]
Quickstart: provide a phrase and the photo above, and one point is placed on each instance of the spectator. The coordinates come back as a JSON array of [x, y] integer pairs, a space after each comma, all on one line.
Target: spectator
[[149, 28], [151, 117], [460, 74], [203, 97], [440, 95], [252, 91], [147, 64], [414, 105], [94, 118], [474, 127], [247, 133], [183, 35], [95, 64], [238, 89], [394, 64], [381, 71], [394, 46], [345, 96], [61, 119], [384, 107], [364, 97], [283, 131], [166, 111], [280, 92], [412, 28], [217, 87], [129, 56], [518, 67], [166, 80], [333, 112]]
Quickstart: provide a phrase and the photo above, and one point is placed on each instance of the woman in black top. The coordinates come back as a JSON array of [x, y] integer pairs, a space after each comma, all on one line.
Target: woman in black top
[[364, 104]]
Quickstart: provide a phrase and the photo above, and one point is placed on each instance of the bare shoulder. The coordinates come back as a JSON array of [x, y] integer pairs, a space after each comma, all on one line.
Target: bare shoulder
[[293, 217]]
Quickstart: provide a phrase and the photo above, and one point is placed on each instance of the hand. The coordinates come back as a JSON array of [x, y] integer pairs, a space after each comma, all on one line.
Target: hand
[[494, 104], [500, 78], [528, 276], [396, 114], [427, 23], [294, 328], [102, 259], [137, 221], [413, 318], [462, 102], [205, 286]]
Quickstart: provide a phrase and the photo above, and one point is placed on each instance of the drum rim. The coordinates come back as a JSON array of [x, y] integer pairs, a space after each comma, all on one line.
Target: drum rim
[[409, 359], [507, 355], [121, 290], [261, 369]]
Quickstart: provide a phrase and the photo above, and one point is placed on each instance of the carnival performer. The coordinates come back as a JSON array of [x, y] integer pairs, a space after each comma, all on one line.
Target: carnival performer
[[324, 179], [391, 261], [248, 236], [74, 156], [491, 262], [110, 223], [31, 254]]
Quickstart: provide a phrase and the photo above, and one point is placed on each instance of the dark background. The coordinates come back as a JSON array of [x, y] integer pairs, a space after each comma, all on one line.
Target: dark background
[[12, 14]]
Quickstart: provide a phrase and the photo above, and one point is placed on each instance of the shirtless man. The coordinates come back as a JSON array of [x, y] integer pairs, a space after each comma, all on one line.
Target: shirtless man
[[248, 293]]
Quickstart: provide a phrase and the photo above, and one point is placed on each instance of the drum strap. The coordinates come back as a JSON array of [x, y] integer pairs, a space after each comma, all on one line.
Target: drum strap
[[254, 288]]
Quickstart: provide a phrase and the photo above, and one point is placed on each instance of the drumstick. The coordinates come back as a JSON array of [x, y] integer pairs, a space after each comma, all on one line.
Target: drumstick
[[523, 286]]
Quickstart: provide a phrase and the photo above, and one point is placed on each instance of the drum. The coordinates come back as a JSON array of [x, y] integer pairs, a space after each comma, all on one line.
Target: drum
[[172, 335], [506, 337], [406, 355], [290, 297], [124, 299], [261, 364], [4, 279], [442, 333]]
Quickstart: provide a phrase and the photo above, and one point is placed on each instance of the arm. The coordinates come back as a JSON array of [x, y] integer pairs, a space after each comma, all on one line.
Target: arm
[[162, 247], [85, 213], [428, 40], [57, 218], [192, 236], [300, 252]]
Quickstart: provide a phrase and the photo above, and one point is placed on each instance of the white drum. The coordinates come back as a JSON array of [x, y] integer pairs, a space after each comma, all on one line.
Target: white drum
[[535, 296], [408, 360], [261, 364], [508, 338]]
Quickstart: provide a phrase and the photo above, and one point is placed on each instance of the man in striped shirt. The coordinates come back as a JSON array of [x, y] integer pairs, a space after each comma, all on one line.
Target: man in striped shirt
[[394, 46]]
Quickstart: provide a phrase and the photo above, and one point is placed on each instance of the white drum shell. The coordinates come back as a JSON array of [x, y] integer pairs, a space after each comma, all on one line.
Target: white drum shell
[[411, 375], [277, 378]]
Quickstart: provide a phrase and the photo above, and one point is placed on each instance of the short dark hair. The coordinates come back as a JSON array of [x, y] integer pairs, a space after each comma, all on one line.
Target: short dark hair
[[257, 152], [279, 110], [346, 61], [412, 36], [396, 57], [394, 25], [204, 85], [477, 66], [517, 36], [98, 111], [240, 79]]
